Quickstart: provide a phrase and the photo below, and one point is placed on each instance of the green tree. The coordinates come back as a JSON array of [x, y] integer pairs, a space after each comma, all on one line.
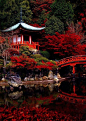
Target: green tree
[[62, 10], [27, 13], [1, 63], [43, 16], [54, 25], [39, 58], [45, 54], [10, 12], [25, 50]]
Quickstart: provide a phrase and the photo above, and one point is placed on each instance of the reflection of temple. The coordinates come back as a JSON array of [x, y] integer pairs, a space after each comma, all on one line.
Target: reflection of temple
[[22, 34]]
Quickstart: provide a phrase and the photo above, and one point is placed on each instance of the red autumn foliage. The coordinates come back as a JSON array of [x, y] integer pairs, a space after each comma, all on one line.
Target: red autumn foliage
[[12, 51], [64, 45], [82, 17], [45, 65], [42, 113], [2, 39], [23, 61], [79, 27], [38, 6]]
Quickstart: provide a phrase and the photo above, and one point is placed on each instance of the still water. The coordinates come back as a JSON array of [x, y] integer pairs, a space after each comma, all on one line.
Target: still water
[[33, 95], [42, 103]]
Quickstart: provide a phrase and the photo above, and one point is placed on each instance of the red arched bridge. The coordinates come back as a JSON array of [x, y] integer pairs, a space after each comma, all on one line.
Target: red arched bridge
[[72, 61]]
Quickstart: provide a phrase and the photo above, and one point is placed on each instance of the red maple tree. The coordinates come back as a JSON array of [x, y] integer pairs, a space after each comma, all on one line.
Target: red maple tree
[[64, 45], [46, 65], [79, 27], [38, 6], [23, 61]]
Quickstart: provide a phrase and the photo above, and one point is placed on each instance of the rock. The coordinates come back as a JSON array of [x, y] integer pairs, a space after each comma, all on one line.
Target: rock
[[14, 84], [56, 78], [50, 75], [15, 95], [3, 87], [3, 79], [44, 77], [40, 79], [31, 79], [51, 86], [25, 79], [58, 75], [41, 84], [11, 88], [36, 77]]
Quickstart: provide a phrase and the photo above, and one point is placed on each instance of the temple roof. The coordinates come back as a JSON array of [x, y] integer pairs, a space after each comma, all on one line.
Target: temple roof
[[25, 26]]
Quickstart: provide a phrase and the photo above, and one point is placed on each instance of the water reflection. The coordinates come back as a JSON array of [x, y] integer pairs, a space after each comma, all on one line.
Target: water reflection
[[32, 101], [15, 95], [32, 95]]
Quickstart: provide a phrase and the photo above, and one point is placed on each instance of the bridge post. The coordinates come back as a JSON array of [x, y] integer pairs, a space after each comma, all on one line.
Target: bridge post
[[74, 86], [73, 65], [73, 69]]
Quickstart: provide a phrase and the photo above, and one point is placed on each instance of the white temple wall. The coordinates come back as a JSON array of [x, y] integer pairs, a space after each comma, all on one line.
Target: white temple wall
[[30, 39], [14, 39]]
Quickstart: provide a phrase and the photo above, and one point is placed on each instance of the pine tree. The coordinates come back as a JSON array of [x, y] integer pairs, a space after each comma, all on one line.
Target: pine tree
[[54, 25], [10, 12], [27, 14], [62, 10]]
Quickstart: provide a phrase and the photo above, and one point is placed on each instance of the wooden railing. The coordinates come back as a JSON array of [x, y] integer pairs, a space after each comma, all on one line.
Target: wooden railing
[[73, 98], [32, 45], [72, 59]]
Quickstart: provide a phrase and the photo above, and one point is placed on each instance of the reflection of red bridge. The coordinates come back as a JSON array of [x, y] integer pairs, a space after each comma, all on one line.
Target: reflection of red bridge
[[73, 98], [72, 61]]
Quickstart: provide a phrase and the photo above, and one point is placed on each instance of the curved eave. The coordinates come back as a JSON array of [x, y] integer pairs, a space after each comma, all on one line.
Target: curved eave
[[11, 28], [29, 27], [25, 26]]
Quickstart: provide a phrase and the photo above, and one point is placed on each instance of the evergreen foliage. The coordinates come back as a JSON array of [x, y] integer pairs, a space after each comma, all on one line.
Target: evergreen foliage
[[25, 50], [1, 63], [43, 16], [62, 10], [45, 54], [10, 12], [54, 25], [41, 59], [27, 13], [36, 56]]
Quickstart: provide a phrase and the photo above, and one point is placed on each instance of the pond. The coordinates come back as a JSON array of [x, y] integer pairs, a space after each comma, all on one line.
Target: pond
[[31, 94], [38, 103]]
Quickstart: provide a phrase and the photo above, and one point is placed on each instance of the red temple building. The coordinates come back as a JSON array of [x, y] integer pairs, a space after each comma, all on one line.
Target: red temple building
[[22, 34]]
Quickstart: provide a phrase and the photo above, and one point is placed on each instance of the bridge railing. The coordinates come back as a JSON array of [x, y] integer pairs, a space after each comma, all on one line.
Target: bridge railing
[[72, 59], [73, 98]]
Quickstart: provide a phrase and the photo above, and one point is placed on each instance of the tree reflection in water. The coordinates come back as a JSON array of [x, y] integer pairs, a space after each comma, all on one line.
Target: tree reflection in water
[[38, 103]]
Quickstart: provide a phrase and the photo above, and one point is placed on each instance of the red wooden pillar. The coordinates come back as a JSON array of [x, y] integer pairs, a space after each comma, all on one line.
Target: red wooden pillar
[[73, 73], [73, 65], [74, 88], [73, 69], [16, 46]]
